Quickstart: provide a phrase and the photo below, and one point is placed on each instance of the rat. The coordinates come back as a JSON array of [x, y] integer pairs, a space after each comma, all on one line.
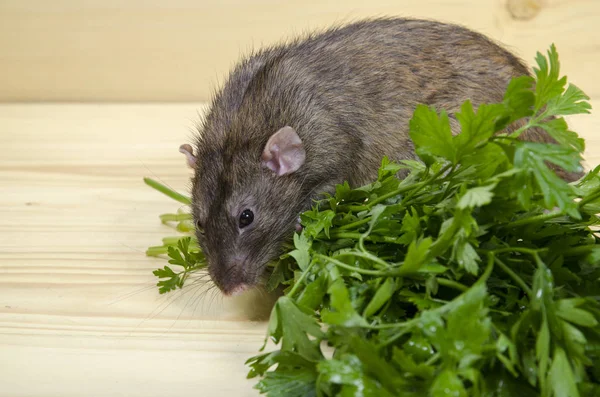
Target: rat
[[294, 120]]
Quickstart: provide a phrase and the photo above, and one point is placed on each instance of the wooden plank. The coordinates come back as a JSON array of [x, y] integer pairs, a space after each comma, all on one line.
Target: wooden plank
[[179, 50], [79, 312]]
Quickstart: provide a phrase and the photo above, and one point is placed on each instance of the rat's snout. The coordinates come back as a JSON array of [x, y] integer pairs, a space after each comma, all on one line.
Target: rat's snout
[[232, 276]]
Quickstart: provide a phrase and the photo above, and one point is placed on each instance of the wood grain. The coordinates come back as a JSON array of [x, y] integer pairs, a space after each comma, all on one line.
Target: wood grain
[[179, 50], [79, 313]]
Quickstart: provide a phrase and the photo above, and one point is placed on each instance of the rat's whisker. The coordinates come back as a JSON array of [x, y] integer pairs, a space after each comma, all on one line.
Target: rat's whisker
[[127, 295], [199, 301], [163, 306]]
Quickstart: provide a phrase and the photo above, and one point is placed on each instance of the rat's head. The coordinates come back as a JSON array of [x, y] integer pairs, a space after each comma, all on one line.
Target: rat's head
[[245, 200]]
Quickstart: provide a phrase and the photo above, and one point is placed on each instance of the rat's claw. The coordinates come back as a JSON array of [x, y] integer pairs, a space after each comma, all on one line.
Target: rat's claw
[[298, 225]]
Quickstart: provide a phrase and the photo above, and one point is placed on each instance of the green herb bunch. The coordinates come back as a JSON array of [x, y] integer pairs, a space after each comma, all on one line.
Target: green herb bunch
[[183, 250], [476, 275]]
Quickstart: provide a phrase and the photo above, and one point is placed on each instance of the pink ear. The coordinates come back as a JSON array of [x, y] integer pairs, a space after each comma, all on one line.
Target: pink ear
[[284, 153], [189, 154]]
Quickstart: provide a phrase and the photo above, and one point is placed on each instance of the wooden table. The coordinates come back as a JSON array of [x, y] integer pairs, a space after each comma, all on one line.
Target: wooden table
[[79, 312]]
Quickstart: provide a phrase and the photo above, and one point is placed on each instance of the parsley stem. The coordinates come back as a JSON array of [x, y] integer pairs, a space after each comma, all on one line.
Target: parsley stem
[[517, 133], [352, 268], [486, 273], [167, 191], [415, 188], [366, 255], [175, 239], [171, 242], [356, 236], [390, 272], [522, 250], [164, 218], [301, 279], [452, 284], [379, 273], [185, 226], [442, 243], [580, 250], [532, 122], [393, 193], [355, 223], [391, 325], [534, 219], [354, 208], [513, 275], [432, 359], [157, 250], [396, 336]]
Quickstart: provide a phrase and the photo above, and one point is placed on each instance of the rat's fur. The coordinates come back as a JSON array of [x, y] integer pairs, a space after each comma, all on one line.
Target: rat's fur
[[349, 94]]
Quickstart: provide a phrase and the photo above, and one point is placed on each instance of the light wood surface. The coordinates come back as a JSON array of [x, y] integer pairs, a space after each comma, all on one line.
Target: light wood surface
[[79, 313], [179, 50]]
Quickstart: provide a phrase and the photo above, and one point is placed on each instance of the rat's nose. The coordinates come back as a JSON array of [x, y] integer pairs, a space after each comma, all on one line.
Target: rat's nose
[[238, 290], [233, 278]]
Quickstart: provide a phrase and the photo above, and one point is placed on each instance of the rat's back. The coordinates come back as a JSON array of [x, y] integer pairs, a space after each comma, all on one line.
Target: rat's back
[[294, 120], [350, 92]]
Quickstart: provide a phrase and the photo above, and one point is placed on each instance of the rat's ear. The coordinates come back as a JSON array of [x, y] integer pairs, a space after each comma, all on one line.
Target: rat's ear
[[284, 152], [189, 154]]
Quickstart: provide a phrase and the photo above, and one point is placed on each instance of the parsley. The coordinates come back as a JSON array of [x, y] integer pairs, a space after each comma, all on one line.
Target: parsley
[[476, 275], [182, 251], [190, 259]]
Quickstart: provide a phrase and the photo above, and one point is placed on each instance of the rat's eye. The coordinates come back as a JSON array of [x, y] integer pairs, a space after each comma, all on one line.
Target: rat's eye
[[246, 218]]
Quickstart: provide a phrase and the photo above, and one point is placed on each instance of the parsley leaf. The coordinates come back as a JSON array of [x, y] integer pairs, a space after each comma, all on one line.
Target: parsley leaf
[[297, 326], [531, 157], [183, 254], [548, 84], [431, 135]]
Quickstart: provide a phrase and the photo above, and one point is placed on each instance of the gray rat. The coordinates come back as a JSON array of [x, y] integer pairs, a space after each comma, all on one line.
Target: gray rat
[[294, 120]]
